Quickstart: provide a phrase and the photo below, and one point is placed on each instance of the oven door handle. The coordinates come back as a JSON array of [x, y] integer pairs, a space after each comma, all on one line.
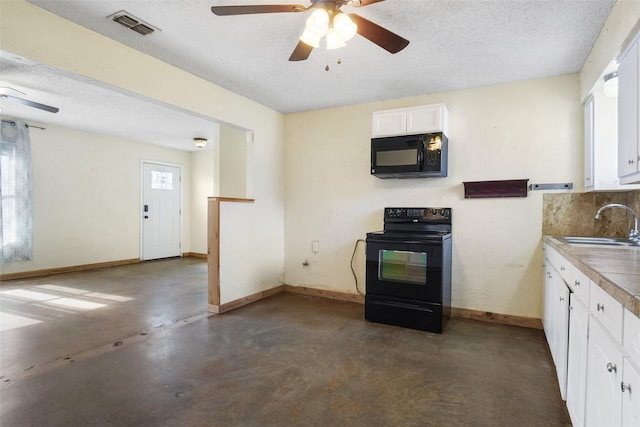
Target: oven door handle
[[402, 305]]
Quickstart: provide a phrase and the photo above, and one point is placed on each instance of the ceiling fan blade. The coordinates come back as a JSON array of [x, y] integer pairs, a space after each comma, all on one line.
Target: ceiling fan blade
[[360, 3], [30, 103], [301, 52], [257, 8], [10, 91], [391, 42]]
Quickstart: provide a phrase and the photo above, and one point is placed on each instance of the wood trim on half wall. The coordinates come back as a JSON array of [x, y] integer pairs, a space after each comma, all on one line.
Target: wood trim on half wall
[[213, 247], [232, 305]]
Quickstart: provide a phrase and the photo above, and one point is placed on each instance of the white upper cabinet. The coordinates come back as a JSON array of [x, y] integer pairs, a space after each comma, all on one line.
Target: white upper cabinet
[[628, 111], [409, 121], [601, 143]]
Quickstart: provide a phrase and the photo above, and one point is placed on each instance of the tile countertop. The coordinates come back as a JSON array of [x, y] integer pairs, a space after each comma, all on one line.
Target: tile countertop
[[614, 269]]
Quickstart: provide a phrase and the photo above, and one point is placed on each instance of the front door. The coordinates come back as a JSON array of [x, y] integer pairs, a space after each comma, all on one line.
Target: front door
[[161, 210]]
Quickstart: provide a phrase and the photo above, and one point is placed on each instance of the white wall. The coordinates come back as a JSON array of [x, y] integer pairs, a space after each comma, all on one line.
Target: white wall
[[86, 191], [531, 130]]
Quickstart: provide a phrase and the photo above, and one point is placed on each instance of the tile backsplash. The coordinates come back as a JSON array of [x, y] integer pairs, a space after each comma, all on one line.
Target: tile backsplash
[[572, 214]]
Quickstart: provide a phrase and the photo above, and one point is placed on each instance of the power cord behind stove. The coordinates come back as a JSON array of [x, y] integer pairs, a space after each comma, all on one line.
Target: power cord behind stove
[[352, 270]]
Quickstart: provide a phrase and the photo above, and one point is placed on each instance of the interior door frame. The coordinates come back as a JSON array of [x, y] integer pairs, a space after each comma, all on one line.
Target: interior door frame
[[141, 203]]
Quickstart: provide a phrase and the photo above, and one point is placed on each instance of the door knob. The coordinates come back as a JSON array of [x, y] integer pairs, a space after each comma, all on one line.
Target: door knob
[[611, 367], [625, 387], [146, 217]]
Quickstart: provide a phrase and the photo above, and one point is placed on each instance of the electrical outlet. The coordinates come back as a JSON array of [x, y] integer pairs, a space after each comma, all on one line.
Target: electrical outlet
[[315, 246]]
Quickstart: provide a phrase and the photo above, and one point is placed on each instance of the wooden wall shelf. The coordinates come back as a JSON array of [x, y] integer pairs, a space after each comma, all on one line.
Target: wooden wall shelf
[[503, 188]]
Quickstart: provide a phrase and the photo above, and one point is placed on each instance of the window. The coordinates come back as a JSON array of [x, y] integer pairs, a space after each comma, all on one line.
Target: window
[[16, 207], [161, 180]]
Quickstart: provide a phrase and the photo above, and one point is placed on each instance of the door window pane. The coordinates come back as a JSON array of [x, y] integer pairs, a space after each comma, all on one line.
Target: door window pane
[[161, 180], [403, 266]]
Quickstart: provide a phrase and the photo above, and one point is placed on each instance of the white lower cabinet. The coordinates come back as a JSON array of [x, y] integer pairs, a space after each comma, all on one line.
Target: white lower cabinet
[[595, 345], [604, 374], [630, 388], [577, 361], [556, 322]]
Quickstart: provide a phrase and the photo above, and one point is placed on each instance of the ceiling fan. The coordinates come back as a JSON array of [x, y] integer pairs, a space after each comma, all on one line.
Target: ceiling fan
[[326, 20], [13, 95]]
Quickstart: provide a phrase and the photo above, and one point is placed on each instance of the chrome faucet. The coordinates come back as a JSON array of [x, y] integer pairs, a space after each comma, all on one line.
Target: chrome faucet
[[634, 235]]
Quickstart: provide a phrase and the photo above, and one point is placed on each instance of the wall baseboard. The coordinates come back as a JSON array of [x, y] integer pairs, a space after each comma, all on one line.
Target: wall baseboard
[[342, 296], [505, 319], [232, 305], [194, 255], [68, 269]]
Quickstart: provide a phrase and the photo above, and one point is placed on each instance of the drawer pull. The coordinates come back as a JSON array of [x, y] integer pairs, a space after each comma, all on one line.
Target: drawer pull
[[561, 298], [577, 282], [561, 268], [611, 367], [600, 307], [625, 387]]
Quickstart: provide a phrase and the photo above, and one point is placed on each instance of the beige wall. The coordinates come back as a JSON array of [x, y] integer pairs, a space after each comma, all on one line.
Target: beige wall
[[233, 162], [86, 192], [530, 129], [202, 186]]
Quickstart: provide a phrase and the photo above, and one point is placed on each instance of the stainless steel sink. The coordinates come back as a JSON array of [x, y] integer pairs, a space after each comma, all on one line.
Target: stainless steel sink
[[599, 241]]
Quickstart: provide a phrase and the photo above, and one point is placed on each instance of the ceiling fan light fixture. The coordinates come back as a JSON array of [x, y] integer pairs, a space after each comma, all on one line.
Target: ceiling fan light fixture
[[318, 23], [333, 40], [345, 28], [310, 38]]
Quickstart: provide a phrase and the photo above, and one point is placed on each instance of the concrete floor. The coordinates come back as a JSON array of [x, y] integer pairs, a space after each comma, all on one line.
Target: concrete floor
[[158, 359]]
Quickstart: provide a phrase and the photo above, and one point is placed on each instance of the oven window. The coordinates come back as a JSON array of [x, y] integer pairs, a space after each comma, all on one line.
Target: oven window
[[402, 266], [397, 157]]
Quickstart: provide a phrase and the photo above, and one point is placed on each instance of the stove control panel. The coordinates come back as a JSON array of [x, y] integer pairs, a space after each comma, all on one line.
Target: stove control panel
[[421, 214]]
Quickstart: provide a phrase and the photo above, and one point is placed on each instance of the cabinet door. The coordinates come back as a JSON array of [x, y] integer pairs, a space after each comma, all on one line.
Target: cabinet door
[[577, 361], [389, 123], [628, 112], [630, 388], [561, 330], [431, 118], [588, 142], [631, 339], [604, 373], [550, 303]]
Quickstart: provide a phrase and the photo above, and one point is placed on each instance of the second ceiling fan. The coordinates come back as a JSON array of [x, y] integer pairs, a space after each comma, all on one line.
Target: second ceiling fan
[[327, 20]]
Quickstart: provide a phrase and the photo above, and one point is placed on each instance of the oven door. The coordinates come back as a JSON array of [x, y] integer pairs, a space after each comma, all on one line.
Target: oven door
[[404, 268]]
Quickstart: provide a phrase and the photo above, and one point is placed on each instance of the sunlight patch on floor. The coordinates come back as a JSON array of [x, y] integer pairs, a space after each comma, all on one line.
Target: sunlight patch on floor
[[13, 321]]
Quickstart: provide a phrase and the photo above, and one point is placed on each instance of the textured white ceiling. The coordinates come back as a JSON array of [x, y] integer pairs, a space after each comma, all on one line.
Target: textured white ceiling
[[93, 106], [454, 44]]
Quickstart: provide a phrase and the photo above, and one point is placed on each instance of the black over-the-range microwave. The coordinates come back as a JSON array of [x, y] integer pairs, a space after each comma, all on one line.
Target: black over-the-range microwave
[[409, 156]]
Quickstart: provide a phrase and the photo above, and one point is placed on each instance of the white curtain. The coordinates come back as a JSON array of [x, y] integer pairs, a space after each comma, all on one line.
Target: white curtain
[[16, 213]]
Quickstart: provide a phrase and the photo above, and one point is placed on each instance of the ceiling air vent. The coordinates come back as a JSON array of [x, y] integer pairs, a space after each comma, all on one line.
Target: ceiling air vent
[[136, 24]]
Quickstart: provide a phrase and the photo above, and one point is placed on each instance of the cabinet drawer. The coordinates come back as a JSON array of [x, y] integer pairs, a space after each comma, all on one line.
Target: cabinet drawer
[[631, 339], [607, 311], [580, 285]]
